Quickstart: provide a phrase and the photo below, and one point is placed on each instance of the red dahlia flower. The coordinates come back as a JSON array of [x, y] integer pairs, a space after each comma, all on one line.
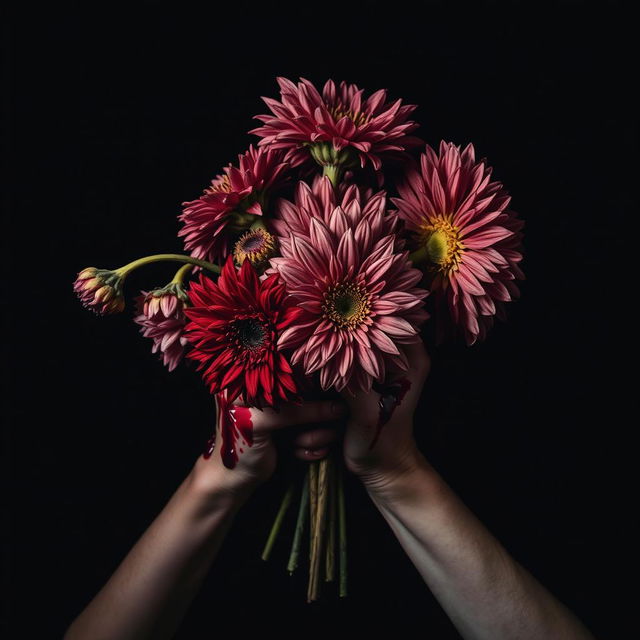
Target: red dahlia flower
[[340, 116], [213, 222], [357, 296], [469, 239], [234, 326]]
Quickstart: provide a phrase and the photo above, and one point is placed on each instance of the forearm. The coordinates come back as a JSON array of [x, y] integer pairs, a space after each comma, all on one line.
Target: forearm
[[154, 585], [485, 592]]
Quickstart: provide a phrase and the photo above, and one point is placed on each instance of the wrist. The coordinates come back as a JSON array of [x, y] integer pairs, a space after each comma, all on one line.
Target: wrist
[[213, 486], [401, 479]]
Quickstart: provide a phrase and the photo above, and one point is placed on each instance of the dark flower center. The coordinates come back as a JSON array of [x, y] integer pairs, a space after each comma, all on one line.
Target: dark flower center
[[257, 245], [249, 333], [253, 243], [346, 304]]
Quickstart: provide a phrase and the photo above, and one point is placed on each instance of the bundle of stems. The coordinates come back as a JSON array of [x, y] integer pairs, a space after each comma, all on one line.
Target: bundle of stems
[[322, 505]]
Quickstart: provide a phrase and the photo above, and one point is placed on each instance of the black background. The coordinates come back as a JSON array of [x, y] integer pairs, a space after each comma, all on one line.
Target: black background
[[117, 114]]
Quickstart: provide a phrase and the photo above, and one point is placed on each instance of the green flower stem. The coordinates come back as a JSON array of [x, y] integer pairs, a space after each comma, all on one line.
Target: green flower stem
[[181, 273], [303, 513], [319, 536], [330, 556], [313, 499], [159, 257], [333, 172], [278, 522], [342, 517], [313, 528]]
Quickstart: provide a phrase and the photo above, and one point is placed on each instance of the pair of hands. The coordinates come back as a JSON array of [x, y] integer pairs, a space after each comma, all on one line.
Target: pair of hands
[[355, 416]]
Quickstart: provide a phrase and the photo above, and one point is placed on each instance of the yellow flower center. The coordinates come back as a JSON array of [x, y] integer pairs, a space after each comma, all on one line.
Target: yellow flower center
[[340, 111], [442, 244], [221, 186], [256, 245], [346, 305]]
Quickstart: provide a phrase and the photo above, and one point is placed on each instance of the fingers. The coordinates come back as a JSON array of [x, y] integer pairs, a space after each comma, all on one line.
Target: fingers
[[310, 444], [353, 398], [418, 357], [417, 363], [315, 438], [314, 444], [290, 414], [311, 454]]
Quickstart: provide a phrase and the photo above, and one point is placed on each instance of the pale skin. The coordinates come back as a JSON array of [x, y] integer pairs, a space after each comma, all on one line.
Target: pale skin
[[486, 593]]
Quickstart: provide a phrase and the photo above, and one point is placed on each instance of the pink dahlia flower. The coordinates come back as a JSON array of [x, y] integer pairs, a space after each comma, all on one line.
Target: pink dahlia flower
[[359, 209], [160, 314], [214, 221], [339, 116], [358, 298], [465, 234]]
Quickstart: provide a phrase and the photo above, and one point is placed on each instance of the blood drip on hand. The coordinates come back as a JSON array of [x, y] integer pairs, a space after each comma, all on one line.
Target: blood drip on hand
[[235, 423], [391, 396]]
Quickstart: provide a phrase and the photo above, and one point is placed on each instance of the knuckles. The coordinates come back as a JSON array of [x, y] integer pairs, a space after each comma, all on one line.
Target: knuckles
[[315, 438], [311, 454]]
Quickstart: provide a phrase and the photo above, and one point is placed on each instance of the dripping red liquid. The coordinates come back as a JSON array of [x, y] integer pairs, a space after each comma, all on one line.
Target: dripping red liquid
[[210, 446], [391, 396], [235, 423]]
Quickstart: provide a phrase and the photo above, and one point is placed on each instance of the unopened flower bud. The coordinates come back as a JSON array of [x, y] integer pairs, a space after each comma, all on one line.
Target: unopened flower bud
[[100, 290]]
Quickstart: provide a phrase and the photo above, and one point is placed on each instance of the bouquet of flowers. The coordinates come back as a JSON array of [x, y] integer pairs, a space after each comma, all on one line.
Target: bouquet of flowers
[[309, 275]]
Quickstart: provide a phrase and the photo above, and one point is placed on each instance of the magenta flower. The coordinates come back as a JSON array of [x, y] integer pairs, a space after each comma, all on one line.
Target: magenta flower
[[466, 236], [339, 116], [213, 222], [160, 314], [358, 298], [320, 200]]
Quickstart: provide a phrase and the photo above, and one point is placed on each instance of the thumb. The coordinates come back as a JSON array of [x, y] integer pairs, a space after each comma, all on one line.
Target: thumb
[[363, 408]]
